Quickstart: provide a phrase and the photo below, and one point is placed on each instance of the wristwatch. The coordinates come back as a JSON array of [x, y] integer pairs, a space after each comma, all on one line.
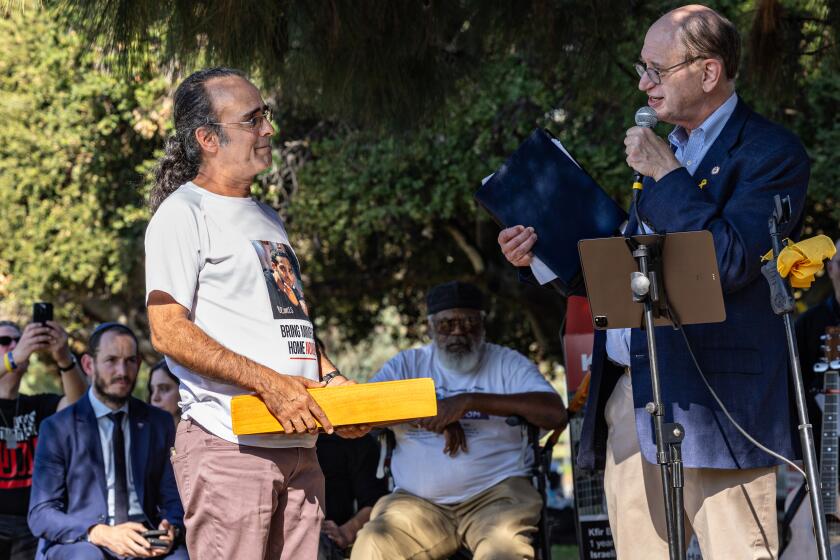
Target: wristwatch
[[73, 363], [330, 376]]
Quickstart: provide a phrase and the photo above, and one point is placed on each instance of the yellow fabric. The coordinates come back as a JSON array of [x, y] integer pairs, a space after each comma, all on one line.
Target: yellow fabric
[[801, 261]]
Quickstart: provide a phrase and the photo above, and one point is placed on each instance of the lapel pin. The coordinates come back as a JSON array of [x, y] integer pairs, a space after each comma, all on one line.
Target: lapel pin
[[715, 170], [702, 184]]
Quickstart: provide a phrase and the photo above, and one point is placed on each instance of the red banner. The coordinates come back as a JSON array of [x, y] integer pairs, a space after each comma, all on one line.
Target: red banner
[[577, 342]]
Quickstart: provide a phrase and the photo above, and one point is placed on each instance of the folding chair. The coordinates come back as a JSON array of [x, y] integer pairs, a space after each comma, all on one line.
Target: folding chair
[[539, 474]]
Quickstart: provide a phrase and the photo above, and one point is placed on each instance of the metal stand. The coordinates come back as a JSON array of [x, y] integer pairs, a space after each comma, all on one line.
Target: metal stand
[[647, 289], [783, 304], [694, 297]]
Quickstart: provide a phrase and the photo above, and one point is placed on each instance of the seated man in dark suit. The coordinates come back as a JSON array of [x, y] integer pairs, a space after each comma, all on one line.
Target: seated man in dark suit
[[102, 471]]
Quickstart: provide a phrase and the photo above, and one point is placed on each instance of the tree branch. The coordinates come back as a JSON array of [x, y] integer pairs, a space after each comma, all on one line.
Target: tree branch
[[469, 250]]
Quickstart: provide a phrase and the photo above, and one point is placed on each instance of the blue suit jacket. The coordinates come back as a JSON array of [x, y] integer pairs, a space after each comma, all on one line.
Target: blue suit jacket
[[69, 489], [746, 357]]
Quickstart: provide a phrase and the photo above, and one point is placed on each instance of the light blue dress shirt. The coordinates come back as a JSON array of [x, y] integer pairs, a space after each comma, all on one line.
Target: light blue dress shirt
[[690, 150], [106, 433]]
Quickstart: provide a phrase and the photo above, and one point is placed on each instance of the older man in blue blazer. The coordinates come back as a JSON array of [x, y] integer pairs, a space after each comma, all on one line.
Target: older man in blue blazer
[[720, 173], [102, 472]]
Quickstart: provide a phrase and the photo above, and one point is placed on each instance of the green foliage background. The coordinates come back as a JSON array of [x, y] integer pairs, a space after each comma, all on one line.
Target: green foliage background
[[75, 141], [379, 149]]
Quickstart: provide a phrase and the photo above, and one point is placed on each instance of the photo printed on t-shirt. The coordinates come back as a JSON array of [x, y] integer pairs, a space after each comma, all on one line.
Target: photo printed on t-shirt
[[282, 278]]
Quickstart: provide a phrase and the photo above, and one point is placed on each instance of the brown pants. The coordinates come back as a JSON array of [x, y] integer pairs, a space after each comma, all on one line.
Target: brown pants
[[496, 524], [732, 511], [247, 502]]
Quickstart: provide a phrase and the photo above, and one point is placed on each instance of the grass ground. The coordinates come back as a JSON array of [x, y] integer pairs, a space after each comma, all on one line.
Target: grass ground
[[564, 553]]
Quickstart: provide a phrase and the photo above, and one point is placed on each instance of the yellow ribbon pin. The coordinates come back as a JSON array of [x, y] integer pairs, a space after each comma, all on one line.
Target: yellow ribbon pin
[[702, 184]]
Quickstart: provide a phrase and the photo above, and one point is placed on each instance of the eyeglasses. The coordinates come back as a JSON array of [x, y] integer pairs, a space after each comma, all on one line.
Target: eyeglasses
[[7, 340], [448, 326], [253, 124], [655, 74]]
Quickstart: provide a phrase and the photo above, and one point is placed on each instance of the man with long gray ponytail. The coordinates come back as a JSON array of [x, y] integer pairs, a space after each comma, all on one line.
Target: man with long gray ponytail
[[226, 329]]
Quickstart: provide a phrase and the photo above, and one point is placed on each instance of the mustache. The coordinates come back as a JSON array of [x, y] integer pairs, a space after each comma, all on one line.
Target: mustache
[[460, 344], [458, 339]]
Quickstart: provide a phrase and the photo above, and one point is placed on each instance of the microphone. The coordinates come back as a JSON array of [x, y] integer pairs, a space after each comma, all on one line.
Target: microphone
[[647, 118]]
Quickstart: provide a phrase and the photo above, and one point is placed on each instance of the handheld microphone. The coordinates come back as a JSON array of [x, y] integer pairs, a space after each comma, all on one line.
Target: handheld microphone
[[647, 118]]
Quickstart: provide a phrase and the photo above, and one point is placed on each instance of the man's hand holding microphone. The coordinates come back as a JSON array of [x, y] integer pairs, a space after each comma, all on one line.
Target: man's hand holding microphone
[[648, 154]]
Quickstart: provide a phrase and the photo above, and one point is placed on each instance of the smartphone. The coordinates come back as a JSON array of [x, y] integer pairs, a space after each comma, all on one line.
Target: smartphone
[[153, 533], [42, 312], [157, 543], [153, 541]]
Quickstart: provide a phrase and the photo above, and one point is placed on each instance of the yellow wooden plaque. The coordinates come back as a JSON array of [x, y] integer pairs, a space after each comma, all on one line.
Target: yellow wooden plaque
[[386, 402]]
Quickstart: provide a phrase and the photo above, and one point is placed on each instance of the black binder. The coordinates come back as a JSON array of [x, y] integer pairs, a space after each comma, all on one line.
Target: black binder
[[540, 186]]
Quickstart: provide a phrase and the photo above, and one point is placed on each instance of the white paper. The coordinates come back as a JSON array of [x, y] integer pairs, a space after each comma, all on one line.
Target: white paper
[[563, 149], [542, 273]]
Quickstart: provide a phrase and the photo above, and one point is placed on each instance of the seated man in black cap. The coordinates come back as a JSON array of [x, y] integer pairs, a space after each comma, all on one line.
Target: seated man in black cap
[[461, 477]]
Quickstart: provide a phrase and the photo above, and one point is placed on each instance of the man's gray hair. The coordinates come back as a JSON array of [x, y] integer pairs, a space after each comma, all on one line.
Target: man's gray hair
[[707, 34], [192, 109]]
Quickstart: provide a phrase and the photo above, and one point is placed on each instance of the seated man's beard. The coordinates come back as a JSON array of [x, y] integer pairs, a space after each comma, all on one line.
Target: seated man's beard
[[460, 353], [108, 395]]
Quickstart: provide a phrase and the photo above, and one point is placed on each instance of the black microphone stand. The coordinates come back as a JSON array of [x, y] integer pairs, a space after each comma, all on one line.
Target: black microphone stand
[[783, 304], [648, 289]]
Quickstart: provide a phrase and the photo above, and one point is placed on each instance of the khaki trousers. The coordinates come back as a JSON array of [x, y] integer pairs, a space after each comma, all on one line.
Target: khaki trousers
[[732, 512], [496, 524], [249, 503]]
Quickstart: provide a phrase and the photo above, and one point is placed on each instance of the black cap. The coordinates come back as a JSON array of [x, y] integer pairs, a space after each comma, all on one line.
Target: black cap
[[452, 295]]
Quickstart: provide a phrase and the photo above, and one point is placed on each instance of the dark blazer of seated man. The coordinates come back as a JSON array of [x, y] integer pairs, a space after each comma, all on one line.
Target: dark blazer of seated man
[[102, 471], [461, 477]]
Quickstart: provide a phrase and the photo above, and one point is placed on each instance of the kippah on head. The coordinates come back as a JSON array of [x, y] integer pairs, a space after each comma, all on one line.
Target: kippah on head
[[96, 336], [453, 295]]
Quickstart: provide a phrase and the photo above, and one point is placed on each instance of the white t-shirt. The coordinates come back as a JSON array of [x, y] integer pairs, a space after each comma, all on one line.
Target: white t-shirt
[[224, 259], [496, 451]]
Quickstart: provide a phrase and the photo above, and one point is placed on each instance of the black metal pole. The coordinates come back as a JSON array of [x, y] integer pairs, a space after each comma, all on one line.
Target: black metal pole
[[806, 430], [672, 494], [542, 468]]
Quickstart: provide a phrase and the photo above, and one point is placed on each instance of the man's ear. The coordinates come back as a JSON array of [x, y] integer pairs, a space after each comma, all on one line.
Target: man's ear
[[87, 364], [207, 138], [713, 74]]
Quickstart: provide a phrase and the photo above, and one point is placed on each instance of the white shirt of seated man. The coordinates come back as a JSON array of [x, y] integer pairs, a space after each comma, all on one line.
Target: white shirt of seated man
[[477, 450]]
